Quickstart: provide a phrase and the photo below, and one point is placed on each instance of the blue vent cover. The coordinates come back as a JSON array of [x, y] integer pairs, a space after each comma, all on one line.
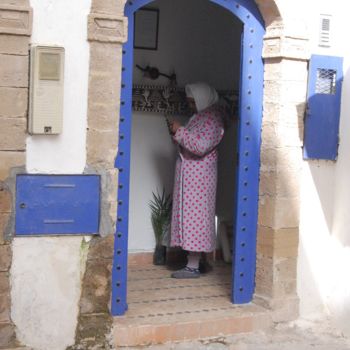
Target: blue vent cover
[[57, 204], [323, 110]]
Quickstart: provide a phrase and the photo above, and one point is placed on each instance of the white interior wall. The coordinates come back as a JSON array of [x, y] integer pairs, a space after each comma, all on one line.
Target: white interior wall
[[324, 249], [45, 273], [152, 169], [188, 44], [205, 47]]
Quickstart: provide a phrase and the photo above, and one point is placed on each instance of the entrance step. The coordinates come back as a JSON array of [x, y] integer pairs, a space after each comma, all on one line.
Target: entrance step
[[163, 309]]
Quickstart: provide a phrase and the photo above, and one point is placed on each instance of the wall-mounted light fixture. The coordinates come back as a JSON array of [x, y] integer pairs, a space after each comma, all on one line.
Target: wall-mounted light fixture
[[154, 73]]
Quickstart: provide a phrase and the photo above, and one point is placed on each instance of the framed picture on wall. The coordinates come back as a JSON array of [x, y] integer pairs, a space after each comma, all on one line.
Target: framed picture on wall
[[146, 22]]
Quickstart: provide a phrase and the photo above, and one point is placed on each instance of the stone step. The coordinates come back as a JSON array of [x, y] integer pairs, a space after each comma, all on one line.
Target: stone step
[[162, 309]]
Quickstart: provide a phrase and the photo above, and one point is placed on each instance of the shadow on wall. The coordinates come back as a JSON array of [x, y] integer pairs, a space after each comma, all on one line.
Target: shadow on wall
[[341, 217], [227, 172], [320, 182], [324, 254], [164, 168], [308, 285], [329, 181], [315, 190]]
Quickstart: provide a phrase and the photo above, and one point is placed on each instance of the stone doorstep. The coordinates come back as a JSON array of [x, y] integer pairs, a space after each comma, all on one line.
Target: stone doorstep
[[163, 310], [163, 331]]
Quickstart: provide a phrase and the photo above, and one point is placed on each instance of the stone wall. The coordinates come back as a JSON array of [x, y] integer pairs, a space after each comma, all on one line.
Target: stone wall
[[285, 82], [15, 29], [95, 320], [107, 31]]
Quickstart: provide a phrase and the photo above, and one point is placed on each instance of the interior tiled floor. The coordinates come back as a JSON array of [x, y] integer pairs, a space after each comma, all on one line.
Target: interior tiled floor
[[153, 293], [165, 309]]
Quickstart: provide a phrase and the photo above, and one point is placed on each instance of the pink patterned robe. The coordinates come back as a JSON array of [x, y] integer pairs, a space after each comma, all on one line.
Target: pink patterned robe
[[193, 216]]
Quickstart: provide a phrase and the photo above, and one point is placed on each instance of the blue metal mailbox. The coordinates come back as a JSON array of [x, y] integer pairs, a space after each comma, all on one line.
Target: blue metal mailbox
[[57, 204]]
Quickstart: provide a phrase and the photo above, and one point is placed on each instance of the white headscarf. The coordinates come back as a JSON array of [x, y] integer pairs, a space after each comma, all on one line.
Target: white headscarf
[[204, 95]]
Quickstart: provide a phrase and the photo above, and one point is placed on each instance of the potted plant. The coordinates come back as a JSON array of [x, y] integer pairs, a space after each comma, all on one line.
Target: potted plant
[[160, 206]]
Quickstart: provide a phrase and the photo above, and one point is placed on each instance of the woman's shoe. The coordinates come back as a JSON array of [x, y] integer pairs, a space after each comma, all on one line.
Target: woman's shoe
[[186, 272]]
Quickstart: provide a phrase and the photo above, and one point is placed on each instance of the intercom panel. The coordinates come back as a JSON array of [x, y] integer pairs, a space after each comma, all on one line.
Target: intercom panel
[[46, 90]]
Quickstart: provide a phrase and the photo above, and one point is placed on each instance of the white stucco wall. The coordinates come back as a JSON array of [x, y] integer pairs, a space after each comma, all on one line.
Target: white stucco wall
[[198, 50], [45, 290], [45, 273], [324, 250], [63, 23]]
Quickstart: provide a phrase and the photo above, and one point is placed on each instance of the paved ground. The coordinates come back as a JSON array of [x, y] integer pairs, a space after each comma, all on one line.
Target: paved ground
[[300, 335]]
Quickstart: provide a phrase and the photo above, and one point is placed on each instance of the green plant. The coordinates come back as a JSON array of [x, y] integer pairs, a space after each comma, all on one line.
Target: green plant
[[160, 206]]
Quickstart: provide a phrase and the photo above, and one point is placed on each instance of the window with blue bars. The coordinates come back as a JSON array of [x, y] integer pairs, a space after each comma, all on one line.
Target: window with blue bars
[[321, 132]]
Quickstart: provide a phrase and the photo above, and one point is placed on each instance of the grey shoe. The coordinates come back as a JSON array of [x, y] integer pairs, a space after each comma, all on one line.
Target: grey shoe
[[186, 272]]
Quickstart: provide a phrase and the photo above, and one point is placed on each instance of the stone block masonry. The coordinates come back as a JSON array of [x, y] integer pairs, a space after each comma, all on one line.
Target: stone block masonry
[[285, 55], [107, 30], [15, 29]]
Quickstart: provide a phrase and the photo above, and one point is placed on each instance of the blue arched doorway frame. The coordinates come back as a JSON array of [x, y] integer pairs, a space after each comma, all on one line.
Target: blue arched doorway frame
[[250, 117]]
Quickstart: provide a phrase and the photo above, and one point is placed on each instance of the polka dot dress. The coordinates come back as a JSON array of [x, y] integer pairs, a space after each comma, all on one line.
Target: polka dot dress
[[193, 216]]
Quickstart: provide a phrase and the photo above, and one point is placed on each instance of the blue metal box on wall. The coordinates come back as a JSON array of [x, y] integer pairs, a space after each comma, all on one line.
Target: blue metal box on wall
[[57, 204]]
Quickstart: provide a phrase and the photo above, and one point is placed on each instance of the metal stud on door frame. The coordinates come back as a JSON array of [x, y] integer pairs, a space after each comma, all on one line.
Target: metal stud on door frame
[[250, 113]]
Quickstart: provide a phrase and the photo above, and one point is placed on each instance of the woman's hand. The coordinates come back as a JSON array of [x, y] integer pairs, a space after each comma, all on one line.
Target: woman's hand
[[174, 126]]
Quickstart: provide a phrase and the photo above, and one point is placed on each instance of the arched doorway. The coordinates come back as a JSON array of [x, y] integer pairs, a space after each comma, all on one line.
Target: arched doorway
[[250, 116]]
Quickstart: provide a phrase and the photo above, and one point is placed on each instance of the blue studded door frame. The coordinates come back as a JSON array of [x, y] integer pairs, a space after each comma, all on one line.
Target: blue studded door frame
[[250, 116]]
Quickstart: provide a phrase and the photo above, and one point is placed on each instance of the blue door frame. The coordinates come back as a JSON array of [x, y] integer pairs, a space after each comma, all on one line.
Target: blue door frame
[[250, 117]]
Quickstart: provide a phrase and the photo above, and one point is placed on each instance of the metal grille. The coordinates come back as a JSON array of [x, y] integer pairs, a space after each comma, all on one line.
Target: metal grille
[[325, 31], [326, 24], [326, 81]]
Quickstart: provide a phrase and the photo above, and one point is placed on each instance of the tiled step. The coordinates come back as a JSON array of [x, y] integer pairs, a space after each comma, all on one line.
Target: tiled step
[[162, 309]]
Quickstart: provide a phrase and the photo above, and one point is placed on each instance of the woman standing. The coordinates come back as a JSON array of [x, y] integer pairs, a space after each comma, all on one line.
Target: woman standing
[[193, 216]]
